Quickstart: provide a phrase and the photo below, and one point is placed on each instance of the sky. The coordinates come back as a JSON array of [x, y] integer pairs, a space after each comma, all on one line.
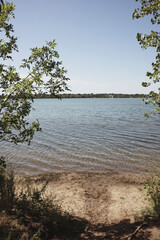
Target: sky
[[96, 40]]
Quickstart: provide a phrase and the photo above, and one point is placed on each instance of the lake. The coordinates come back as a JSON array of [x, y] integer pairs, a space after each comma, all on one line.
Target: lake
[[95, 135]]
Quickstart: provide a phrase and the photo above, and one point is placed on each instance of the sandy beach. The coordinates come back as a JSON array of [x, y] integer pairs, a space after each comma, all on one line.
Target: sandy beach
[[108, 202]]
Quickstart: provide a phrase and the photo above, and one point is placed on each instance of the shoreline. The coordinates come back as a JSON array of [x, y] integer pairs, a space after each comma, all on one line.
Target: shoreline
[[148, 172], [124, 176]]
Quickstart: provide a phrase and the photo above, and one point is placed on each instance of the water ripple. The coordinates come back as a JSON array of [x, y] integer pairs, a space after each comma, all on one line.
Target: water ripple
[[88, 135]]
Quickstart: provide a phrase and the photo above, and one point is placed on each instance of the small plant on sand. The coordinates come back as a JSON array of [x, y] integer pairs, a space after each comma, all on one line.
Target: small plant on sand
[[153, 192], [152, 185], [152, 211]]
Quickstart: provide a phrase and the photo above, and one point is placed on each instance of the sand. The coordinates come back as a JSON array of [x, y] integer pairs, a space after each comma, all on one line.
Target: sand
[[109, 202]]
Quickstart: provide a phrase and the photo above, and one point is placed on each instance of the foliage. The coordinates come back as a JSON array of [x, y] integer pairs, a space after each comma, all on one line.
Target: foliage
[[1, 4], [45, 74], [151, 8], [6, 187], [152, 211], [153, 192]]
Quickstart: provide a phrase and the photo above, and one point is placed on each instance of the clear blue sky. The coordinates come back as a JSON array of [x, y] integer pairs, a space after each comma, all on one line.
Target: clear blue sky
[[96, 41]]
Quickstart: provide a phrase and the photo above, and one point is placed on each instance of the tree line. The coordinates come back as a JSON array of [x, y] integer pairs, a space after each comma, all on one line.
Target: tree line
[[91, 95]]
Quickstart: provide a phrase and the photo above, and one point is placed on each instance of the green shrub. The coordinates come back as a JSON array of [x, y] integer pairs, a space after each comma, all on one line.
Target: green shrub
[[153, 192], [7, 189]]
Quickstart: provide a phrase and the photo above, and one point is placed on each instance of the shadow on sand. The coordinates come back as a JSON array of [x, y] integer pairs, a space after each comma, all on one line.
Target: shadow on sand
[[123, 230]]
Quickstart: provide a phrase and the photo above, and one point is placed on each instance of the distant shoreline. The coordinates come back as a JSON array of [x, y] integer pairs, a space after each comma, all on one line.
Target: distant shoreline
[[93, 95], [88, 95]]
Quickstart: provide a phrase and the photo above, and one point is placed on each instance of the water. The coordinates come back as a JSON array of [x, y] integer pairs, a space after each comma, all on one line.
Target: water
[[96, 135]]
